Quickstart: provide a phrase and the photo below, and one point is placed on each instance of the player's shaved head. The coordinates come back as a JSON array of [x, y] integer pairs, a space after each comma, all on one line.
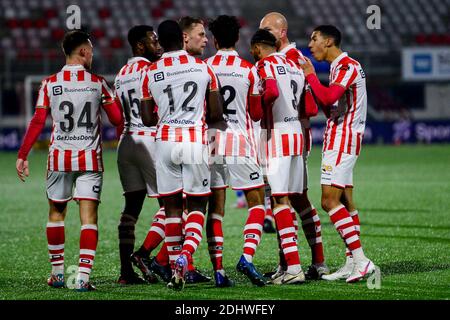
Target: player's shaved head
[[277, 24], [275, 19]]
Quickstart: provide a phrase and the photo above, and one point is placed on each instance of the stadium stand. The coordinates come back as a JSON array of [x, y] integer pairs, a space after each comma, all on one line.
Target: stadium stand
[[32, 29]]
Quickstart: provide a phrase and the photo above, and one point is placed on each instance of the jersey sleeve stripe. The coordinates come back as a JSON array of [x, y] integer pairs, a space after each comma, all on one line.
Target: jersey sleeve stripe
[[214, 83], [46, 100], [144, 87]]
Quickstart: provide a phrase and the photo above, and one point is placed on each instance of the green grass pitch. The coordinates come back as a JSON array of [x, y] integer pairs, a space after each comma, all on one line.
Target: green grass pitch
[[403, 194]]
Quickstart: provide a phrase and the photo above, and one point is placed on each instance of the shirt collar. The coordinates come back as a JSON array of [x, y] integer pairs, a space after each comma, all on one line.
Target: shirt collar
[[174, 53], [137, 59], [338, 59], [227, 52], [292, 45], [73, 67], [276, 54]]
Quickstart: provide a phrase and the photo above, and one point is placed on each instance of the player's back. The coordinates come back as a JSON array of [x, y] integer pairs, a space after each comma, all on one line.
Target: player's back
[[74, 97], [284, 133], [238, 79], [178, 83], [127, 85], [283, 116]]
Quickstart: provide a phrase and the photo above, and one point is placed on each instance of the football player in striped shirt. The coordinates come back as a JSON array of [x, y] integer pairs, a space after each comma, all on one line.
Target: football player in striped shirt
[[136, 158], [233, 150], [277, 24], [345, 104], [282, 147], [194, 43], [73, 97], [186, 91]]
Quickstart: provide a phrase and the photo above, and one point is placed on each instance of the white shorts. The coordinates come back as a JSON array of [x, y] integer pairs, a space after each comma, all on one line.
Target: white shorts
[[337, 174], [219, 173], [137, 164], [182, 167], [285, 175], [242, 173], [60, 185]]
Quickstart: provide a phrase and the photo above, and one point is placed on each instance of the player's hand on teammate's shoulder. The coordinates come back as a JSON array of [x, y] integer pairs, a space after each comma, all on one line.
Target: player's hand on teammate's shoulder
[[22, 169], [307, 67]]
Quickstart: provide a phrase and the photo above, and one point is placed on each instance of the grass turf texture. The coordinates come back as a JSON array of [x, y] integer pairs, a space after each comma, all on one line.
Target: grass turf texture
[[402, 194]]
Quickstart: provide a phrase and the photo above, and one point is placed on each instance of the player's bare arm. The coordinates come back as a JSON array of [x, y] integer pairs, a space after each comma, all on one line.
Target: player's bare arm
[[147, 111], [215, 107]]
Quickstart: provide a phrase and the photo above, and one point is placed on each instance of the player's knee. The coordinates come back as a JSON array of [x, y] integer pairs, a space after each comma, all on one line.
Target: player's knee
[[197, 204], [327, 203], [255, 197], [57, 208]]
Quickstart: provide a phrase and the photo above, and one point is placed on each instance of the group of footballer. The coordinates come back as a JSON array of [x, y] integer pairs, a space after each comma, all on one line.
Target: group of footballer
[[190, 128]]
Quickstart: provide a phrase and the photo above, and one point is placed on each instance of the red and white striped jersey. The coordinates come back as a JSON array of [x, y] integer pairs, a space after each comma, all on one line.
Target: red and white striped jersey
[[74, 96], [344, 132], [178, 83], [238, 80], [284, 131], [293, 54], [128, 92]]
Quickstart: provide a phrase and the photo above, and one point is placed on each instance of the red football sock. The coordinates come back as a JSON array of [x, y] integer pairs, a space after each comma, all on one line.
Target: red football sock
[[313, 233], [55, 240], [156, 233], [286, 230], [214, 236], [193, 232], [88, 246], [253, 231], [162, 257], [173, 240], [355, 217], [294, 219], [344, 224]]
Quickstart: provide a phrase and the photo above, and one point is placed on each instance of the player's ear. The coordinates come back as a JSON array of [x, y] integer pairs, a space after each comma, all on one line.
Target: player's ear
[[329, 42], [82, 51], [185, 37], [140, 46]]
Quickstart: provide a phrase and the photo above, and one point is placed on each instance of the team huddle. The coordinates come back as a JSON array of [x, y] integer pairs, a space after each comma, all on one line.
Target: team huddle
[[189, 129]]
